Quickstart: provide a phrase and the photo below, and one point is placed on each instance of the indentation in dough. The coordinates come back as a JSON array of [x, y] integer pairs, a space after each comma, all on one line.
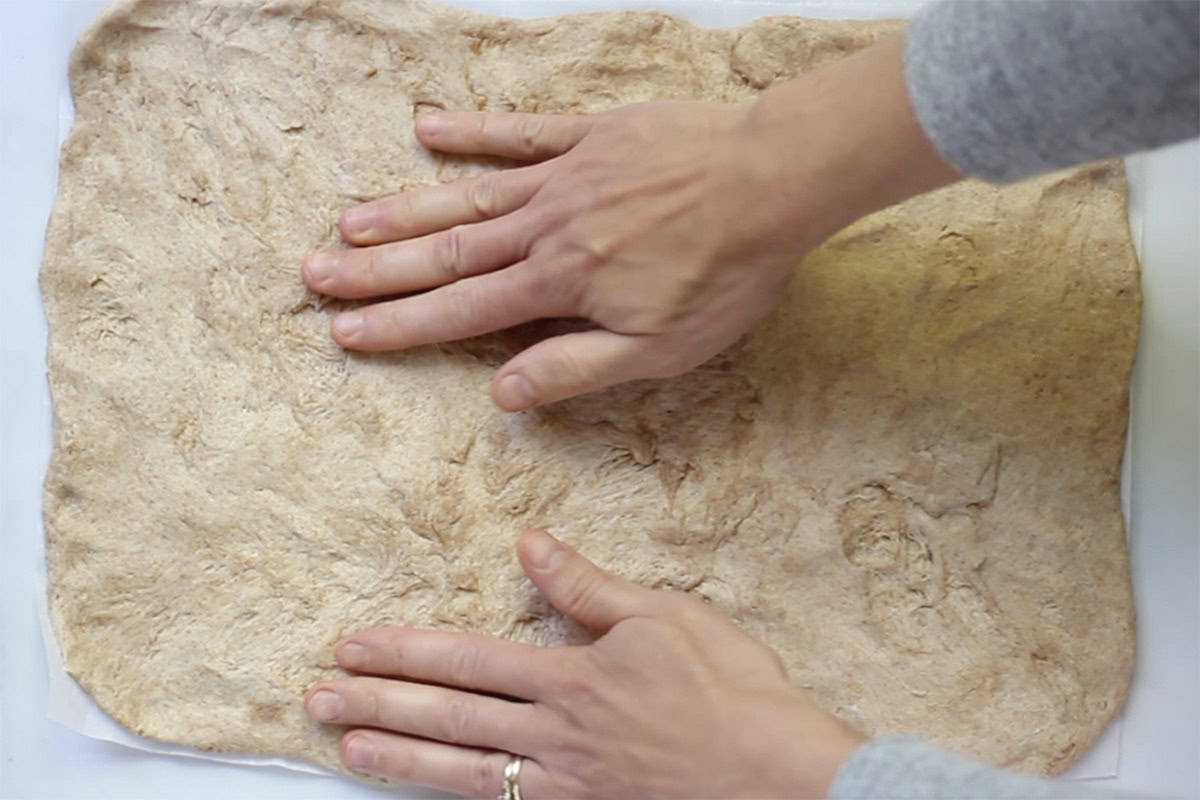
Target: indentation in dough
[[873, 526], [905, 578], [950, 474]]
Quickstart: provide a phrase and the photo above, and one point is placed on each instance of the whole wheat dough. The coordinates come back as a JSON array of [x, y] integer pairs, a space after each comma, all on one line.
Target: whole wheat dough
[[905, 480]]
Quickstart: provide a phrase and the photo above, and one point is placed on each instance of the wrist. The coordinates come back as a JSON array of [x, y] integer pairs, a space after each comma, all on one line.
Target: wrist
[[843, 141], [812, 763], [794, 748]]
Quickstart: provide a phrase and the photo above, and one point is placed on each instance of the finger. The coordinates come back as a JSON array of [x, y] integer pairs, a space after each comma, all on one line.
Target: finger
[[465, 770], [569, 365], [431, 712], [468, 307], [577, 587], [420, 263], [462, 660], [433, 208], [525, 137]]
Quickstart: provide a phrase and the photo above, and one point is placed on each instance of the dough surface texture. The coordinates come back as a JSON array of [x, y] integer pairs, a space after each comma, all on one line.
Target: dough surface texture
[[905, 480]]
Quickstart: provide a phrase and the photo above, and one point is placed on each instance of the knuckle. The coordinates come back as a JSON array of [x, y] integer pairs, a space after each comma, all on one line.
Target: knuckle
[[459, 720], [579, 689], [529, 134], [448, 254], [370, 703], [402, 209], [363, 271], [482, 196], [386, 322], [593, 250], [482, 126], [463, 668], [551, 282]]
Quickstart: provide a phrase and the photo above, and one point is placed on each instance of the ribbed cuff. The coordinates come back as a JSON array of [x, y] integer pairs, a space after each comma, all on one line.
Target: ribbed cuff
[[902, 768]]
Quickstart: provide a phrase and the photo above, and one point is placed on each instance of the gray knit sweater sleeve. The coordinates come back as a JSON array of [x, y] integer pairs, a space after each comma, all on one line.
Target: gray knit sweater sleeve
[[1008, 89], [900, 768]]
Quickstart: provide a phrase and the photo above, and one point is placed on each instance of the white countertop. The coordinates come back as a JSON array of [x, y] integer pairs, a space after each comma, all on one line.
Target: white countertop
[[1160, 737]]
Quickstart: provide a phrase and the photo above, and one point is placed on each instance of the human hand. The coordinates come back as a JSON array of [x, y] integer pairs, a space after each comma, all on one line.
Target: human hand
[[655, 222], [673, 700]]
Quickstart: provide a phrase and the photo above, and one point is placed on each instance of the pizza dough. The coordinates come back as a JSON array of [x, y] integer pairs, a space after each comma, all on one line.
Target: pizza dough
[[905, 480]]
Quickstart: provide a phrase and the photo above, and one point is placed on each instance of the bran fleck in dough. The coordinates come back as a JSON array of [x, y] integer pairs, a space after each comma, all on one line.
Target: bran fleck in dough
[[905, 480]]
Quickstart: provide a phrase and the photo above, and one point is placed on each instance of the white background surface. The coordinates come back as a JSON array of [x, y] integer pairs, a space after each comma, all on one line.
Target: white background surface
[[39, 759]]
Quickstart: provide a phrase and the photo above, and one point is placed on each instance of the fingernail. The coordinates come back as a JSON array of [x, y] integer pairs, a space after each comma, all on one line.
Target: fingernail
[[431, 124], [319, 268], [347, 325], [325, 706], [358, 219], [515, 392], [352, 655], [544, 552], [360, 752]]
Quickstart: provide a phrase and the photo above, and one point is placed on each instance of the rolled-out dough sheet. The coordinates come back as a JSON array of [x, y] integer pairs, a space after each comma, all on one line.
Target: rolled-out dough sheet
[[905, 480]]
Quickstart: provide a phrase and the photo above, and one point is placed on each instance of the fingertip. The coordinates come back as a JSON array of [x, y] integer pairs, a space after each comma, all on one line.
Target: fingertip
[[352, 654], [358, 750], [429, 125], [529, 534], [316, 687], [514, 392], [346, 328], [357, 222], [323, 704], [318, 271], [538, 551]]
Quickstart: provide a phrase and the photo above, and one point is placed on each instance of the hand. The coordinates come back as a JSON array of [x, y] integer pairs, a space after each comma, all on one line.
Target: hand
[[672, 227], [653, 221], [671, 701]]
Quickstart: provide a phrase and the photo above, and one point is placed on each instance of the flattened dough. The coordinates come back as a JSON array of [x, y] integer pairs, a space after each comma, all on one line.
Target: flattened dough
[[905, 480]]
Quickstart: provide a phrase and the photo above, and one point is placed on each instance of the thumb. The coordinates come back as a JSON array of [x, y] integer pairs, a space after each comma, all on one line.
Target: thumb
[[577, 587], [569, 365]]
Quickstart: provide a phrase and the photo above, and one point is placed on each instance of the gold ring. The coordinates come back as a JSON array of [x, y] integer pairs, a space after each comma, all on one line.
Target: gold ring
[[512, 774]]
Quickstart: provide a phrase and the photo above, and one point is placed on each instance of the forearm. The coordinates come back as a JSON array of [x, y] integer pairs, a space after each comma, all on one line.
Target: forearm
[[991, 88], [1010, 89]]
